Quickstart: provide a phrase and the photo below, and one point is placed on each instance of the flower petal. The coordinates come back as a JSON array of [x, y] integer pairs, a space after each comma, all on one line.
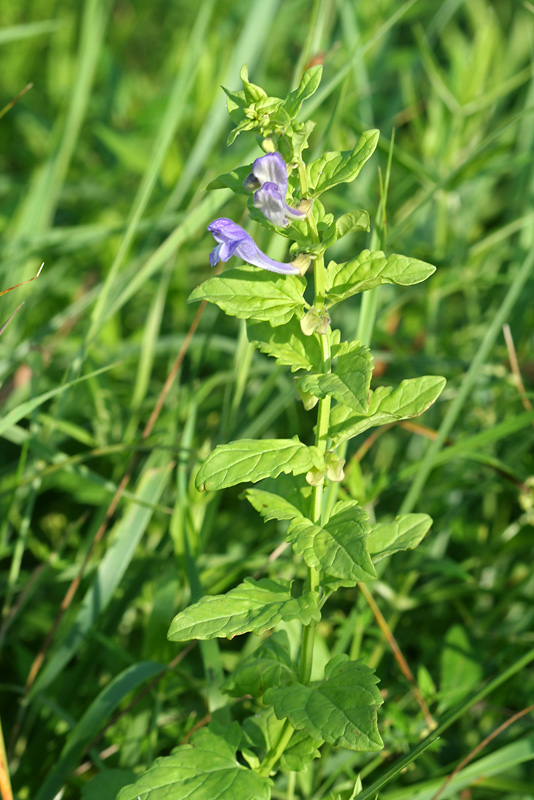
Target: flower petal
[[269, 200], [233, 240], [271, 168]]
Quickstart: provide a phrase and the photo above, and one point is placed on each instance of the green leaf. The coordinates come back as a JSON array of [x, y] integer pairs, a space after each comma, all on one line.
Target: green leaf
[[231, 180], [252, 92], [236, 104], [261, 731], [350, 381], [106, 784], [373, 269], [245, 125], [347, 223], [340, 710], [409, 399], [268, 666], [335, 167], [339, 548], [271, 506], [402, 533], [206, 769], [247, 292], [460, 670], [252, 606], [288, 345], [255, 459], [298, 134], [307, 87]]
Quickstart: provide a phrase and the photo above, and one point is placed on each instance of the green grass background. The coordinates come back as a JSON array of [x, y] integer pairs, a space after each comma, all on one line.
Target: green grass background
[[104, 164]]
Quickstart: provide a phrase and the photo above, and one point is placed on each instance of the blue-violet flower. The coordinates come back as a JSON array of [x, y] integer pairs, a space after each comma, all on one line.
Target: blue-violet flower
[[234, 241], [269, 173]]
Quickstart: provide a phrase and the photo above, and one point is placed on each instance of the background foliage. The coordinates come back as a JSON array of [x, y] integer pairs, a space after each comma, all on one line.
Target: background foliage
[[105, 161]]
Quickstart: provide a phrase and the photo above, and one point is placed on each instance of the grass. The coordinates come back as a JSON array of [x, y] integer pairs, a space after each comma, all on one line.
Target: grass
[[105, 163]]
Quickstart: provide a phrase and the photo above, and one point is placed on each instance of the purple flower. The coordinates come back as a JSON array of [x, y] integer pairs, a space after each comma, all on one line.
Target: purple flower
[[269, 173], [234, 241]]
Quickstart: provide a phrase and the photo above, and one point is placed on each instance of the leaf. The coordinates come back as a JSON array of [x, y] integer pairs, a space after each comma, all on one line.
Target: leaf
[[460, 670], [347, 223], [261, 731], [307, 87], [402, 533], [268, 666], [271, 506], [206, 769], [254, 459], [252, 92], [247, 292], [106, 784], [252, 606], [231, 180], [338, 548], [340, 710], [287, 345], [335, 167], [349, 383], [409, 399], [373, 269]]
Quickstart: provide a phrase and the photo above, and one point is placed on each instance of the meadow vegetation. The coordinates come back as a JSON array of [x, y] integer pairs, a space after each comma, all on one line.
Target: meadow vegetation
[[113, 389]]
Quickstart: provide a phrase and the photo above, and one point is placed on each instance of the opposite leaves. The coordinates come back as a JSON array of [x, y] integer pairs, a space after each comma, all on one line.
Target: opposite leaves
[[335, 167], [337, 549], [206, 769], [370, 270], [252, 606], [247, 292], [349, 383], [255, 459], [409, 399], [403, 533], [340, 710]]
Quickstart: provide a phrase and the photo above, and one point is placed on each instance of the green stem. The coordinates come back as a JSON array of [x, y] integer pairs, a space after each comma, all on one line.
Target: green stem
[[277, 750], [316, 510]]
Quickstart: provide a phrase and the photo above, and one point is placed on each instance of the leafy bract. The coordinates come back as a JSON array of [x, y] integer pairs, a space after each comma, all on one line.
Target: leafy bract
[[268, 666], [231, 180], [287, 345], [403, 533], [248, 292], [206, 769], [252, 606], [347, 223], [308, 85], [335, 167], [349, 383], [254, 459], [340, 710], [338, 548], [409, 399], [372, 269]]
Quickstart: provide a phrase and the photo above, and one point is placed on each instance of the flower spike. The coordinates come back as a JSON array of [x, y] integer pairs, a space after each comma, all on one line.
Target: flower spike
[[234, 241]]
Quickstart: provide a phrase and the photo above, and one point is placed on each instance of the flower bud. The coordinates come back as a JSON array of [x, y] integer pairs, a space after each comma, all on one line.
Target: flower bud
[[268, 146]]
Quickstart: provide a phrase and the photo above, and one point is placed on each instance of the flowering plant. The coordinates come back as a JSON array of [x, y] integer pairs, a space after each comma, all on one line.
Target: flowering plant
[[292, 716]]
